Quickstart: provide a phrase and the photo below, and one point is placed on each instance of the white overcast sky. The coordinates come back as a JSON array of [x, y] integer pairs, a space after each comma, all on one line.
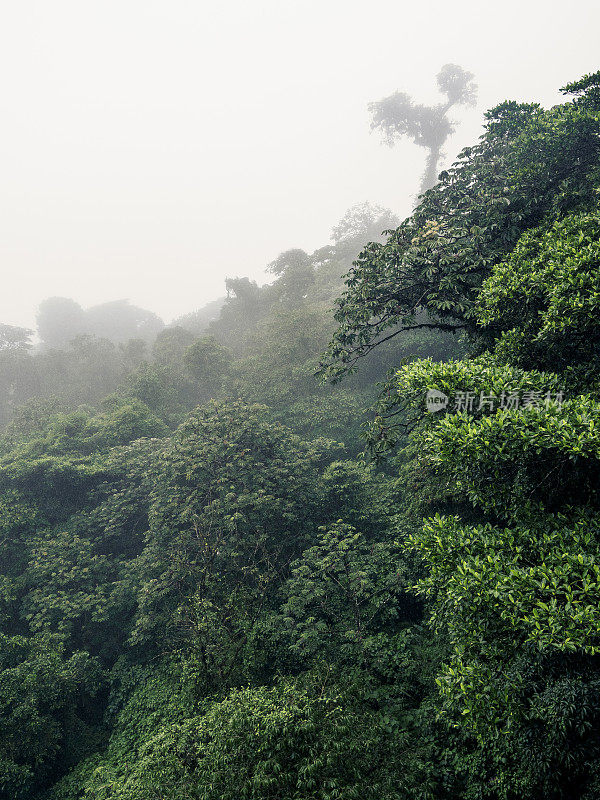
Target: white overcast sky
[[150, 148]]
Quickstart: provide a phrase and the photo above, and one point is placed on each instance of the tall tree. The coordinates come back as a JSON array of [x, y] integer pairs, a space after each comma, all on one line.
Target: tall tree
[[398, 116]]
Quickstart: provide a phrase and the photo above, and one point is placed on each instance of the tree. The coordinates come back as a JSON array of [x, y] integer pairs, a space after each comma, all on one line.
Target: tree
[[303, 739], [170, 345], [342, 593], [120, 321], [235, 501], [362, 223], [60, 320], [510, 539], [295, 271], [209, 364], [530, 165], [397, 116], [42, 721], [539, 308], [198, 321]]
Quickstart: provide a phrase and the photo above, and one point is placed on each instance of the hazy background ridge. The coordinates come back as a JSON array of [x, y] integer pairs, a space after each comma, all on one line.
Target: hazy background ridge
[[150, 149]]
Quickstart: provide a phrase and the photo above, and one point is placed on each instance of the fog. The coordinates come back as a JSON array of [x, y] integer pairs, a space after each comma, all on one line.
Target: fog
[[151, 149]]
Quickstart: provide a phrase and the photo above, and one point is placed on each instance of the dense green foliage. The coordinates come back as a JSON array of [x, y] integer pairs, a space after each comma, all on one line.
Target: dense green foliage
[[208, 592]]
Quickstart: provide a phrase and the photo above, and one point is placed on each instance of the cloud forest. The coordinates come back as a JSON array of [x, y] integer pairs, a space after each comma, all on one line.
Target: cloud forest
[[245, 554]]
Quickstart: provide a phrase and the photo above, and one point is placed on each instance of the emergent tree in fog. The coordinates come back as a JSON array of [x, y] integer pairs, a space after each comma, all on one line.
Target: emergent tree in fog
[[397, 116], [60, 320], [362, 223]]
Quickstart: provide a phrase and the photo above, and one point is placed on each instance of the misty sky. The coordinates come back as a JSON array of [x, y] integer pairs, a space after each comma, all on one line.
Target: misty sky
[[152, 147]]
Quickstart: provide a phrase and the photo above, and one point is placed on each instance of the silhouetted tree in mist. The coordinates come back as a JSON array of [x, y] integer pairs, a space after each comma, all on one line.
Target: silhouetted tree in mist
[[198, 321], [362, 223], [119, 321], [60, 320], [295, 272], [397, 117]]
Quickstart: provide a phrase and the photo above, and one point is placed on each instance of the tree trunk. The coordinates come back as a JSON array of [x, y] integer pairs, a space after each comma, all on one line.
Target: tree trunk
[[430, 175]]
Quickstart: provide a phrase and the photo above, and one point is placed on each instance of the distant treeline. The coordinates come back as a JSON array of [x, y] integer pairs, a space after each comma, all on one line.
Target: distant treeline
[[262, 343]]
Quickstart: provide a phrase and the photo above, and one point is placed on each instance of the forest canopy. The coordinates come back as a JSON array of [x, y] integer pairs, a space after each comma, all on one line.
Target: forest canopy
[[209, 590]]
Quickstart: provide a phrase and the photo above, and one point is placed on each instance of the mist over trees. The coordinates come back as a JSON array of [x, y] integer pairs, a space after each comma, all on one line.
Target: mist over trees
[[83, 355], [399, 116], [240, 557], [61, 320]]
